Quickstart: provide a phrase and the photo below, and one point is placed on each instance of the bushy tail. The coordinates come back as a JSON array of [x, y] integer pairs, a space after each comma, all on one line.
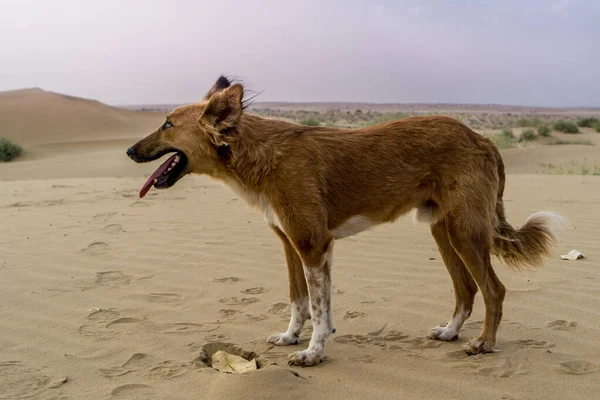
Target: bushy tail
[[528, 245]]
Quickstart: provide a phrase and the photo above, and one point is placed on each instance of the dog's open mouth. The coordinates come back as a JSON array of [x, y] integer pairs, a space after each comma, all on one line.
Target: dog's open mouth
[[167, 174]]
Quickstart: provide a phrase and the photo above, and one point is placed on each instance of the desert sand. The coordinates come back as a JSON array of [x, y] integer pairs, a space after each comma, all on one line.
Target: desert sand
[[106, 296]]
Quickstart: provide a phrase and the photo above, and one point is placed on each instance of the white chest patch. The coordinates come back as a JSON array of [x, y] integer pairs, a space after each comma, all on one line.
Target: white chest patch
[[258, 202], [352, 226]]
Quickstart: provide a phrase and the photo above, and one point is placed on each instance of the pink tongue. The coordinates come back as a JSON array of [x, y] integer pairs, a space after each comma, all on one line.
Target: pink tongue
[[150, 182]]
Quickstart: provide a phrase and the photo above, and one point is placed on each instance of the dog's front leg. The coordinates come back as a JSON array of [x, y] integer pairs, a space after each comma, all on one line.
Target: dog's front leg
[[300, 310], [317, 270]]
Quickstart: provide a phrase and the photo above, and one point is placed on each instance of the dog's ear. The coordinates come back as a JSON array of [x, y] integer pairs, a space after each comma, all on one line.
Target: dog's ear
[[221, 84], [224, 108]]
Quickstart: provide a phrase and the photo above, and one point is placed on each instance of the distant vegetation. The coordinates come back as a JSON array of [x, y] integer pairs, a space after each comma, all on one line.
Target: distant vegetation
[[8, 150], [505, 139], [528, 135], [565, 127], [544, 130], [309, 122], [573, 141], [574, 169], [591, 122], [498, 126], [528, 123]]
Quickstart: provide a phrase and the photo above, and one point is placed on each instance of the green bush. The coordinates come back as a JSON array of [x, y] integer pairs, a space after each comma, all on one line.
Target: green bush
[[504, 139], [528, 122], [598, 128], [508, 133], [589, 122], [8, 150], [528, 135], [544, 130], [309, 122], [565, 126]]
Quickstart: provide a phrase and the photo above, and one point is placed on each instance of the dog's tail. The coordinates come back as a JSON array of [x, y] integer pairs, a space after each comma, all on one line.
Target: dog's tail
[[528, 245]]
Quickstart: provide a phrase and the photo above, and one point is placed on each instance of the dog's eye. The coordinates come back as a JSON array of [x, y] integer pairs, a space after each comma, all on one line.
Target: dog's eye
[[167, 125]]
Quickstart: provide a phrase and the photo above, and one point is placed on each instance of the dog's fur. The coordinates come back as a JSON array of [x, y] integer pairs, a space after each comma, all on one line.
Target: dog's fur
[[318, 184]]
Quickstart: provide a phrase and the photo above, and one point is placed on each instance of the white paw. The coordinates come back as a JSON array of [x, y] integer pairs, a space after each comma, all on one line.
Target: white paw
[[283, 339], [305, 358], [446, 333]]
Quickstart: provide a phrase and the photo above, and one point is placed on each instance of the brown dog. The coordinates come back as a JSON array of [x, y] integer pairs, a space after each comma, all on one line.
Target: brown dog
[[318, 184]]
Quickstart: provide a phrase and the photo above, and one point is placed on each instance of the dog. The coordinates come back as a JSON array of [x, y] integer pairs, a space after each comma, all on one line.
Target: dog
[[316, 185]]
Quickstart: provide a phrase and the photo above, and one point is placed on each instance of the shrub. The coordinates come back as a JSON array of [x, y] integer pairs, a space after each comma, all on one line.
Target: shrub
[[565, 126], [544, 130], [528, 135], [309, 122], [504, 139], [8, 150], [508, 133], [589, 122], [528, 122]]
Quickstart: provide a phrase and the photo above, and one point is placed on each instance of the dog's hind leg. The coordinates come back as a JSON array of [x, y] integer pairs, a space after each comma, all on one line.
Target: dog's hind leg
[[300, 310], [465, 287], [471, 237]]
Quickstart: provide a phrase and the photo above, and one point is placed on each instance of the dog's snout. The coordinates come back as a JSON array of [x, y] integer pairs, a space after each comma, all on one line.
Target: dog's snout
[[130, 151]]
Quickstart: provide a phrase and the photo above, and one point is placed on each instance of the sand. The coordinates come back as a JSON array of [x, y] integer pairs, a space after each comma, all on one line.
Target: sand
[[106, 296]]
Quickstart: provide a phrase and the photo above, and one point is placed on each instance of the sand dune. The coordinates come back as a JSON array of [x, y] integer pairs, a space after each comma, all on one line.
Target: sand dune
[[106, 296], [35, 116]]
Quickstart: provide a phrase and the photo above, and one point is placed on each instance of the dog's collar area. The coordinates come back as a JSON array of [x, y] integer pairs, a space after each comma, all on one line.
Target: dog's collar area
[[224, 154]]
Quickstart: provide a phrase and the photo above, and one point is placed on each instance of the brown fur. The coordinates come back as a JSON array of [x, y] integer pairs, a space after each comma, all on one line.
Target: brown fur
[[309, 181]]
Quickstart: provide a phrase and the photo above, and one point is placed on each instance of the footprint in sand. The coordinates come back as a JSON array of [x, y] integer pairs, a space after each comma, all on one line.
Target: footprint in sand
[[96, 248], [226, 279], [475, 324], [228, 313], [134, 363], [578, 367], [367, 359], [254, 290], [388, 339], [259, 317], [96, 329], [238, 301], [19, 381], [112, 279], [160, 297], [382, 339], [139, 204], [215, 337], [531, 343], [168, 369], [497, 367], [109, 324], [507, 369], [279, 308], [112, 229], [353, 314], [134, 391], [562, 325], [104, 216]]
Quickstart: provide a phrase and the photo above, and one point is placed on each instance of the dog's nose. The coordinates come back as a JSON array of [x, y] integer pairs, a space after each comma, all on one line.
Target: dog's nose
[[130, 151]]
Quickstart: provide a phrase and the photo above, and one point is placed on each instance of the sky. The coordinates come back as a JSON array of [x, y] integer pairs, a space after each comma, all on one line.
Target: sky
[[517, 52]]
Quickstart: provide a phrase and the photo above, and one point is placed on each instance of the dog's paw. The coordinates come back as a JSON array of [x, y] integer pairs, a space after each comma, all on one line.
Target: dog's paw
[[305, 358], [479, 346], [283, 339], [445, 333]]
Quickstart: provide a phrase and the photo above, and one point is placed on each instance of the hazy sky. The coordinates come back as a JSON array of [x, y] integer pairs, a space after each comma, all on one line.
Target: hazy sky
[[529, 52]]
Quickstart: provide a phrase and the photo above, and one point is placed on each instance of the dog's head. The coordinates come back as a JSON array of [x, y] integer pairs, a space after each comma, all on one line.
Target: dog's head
[[193, 133]]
